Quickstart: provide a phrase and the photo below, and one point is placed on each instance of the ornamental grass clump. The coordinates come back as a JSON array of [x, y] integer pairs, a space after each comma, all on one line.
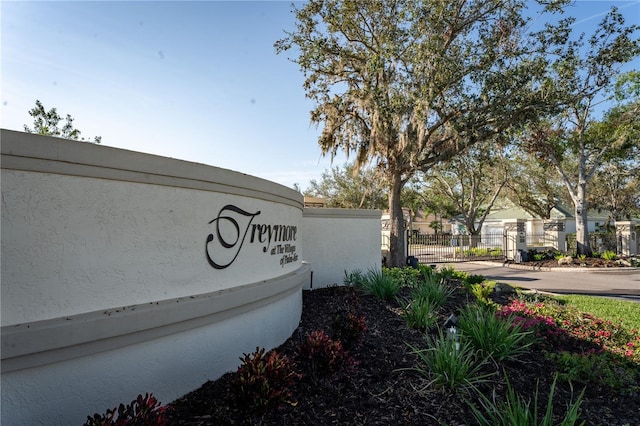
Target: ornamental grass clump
[[449, 364], [381, 285], [434, 291], [420, 314], [495, 336], [516, 410]]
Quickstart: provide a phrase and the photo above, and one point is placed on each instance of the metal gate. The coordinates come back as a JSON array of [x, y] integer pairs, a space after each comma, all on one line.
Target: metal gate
[[455, 248]]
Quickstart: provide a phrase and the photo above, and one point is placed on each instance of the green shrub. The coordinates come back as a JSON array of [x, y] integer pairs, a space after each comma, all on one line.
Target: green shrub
[[263, 380], [497, 337], [472, 279], [381, 284], [515, 410], [597, 369], [435, 291], [354, 278], [420, 314], [450, 365], [609, 255], [483, 292], [142, 411], [448, 272], [405, 276]]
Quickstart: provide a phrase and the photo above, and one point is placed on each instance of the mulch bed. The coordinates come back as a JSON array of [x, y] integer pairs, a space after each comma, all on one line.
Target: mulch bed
[[382, 389]]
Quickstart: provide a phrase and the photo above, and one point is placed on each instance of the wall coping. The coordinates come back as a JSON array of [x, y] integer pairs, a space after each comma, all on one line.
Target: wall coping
[[46, 154], [330, 213], [48, 341]]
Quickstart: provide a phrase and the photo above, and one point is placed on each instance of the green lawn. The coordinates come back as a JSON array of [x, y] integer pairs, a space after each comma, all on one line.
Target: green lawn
[[625, 312]]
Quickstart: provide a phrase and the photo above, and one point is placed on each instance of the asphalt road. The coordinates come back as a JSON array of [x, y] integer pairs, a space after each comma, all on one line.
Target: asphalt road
[[619, 283]]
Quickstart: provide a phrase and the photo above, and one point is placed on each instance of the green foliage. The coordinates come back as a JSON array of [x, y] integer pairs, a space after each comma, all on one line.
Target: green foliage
[[450, 365], [469, 280], [483, 291], [354, 278], [449, 272], [435, 291], [263, 380], [626, 313], [558, 255], [405, 276], [555, 325], [609, 255], [494, 336], [516, 410], [142, 411], [599, 369], [380, 99], [48, 123], [349, 188], [381, 284], [325, 355], [419, 313]]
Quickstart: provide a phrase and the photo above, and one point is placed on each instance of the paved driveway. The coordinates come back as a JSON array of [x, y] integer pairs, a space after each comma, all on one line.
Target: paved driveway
[[623, 283]]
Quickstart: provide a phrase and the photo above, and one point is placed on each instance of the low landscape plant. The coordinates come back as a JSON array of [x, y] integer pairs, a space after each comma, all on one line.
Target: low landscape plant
[[482, 291], [609, 255], [324, 355], [349, 327], [539, 319], [470, 279], [448, 364], [353, 278], [434, 291], [381, 284], [624, 312], [600, 369], [263, 380], [516, 410], [142, 411], [405, 276], [495, 336], [420, 314]]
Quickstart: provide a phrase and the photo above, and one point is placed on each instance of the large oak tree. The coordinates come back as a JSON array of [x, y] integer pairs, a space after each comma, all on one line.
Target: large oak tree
[[406, 84], [572, 140]]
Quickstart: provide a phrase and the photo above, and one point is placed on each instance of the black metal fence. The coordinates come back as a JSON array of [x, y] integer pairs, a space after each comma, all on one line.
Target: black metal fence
[[455, 248], [460, 248]]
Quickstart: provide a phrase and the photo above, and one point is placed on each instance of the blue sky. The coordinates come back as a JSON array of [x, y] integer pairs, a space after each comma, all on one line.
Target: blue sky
[[199, 81]]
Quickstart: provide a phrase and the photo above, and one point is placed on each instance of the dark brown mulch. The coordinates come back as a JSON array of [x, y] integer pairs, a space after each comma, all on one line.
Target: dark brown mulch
[[382, 390]]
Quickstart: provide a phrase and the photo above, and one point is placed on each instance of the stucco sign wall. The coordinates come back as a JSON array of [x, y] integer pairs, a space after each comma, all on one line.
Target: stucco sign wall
[[109, 255], [233, 225]]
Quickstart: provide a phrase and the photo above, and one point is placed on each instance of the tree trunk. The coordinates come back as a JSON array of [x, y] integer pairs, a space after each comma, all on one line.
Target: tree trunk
[[582, 228], [396, 218]]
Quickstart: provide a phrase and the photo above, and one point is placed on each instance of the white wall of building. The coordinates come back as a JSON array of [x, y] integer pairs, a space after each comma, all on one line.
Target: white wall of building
[[339, 240]]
